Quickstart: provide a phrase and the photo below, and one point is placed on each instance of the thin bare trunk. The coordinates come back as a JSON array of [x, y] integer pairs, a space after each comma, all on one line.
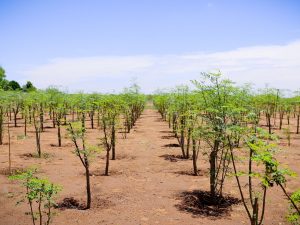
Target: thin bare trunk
[[88, 185], [298, 122], [113, 142], [107, 163], [59, 134], [195, 156], [9, 152]]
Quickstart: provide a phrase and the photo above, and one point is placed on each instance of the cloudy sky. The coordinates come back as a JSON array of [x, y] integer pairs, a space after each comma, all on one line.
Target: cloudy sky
[[98, 45]]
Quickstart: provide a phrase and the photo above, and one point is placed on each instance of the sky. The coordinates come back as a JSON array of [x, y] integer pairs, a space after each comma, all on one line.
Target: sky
[[104, 46]]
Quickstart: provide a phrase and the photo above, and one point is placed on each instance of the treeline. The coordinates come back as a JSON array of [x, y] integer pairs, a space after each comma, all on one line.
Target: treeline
[[13, 85], [233, 127]]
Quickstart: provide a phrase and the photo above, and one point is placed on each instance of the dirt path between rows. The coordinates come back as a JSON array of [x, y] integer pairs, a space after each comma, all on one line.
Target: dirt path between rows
[[143, 187]]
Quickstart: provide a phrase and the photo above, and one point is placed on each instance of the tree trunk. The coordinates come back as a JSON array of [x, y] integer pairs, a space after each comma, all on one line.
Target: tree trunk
[[42, 119], [107, 162], [38, 146], [194, 158], [113, 142], [212, 162], [88, 187], [9, 153], [30, 118], [10, 114], [182, 137], [254, 220], [83, 120], [92, 120], [188, 142], [53, 119], [15, 118], [280, 120], [298, 121], [25, 126], [269, 124], [59, 134]]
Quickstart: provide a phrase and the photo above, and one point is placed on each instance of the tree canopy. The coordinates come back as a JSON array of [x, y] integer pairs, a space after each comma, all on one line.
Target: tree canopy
[[13, 85]]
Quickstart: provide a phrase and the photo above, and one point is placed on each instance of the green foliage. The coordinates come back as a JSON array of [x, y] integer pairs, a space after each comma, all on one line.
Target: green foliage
[[2, 74], [227, 118], [28, 87], [40, 192], [294, 217], [77, 133], [4, 84], [13, 85], [84, 152]]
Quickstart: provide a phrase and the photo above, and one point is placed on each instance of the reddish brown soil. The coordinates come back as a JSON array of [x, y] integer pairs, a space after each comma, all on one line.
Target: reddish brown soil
[[145, 183]]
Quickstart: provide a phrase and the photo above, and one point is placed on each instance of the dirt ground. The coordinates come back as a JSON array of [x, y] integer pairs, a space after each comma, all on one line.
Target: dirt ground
[[145, 184]]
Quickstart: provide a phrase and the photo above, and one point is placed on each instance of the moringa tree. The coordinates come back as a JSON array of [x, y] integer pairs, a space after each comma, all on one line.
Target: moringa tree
[[85, 152], [40, 194], [221, 106], [268, 171], [110, 112]]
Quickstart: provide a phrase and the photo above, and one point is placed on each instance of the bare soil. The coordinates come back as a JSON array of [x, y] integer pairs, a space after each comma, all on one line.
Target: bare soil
[[149, 182]]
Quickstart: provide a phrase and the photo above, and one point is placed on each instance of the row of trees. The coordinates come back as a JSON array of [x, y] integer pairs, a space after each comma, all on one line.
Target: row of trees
[[23, 109], [225, 122], [108, 113]]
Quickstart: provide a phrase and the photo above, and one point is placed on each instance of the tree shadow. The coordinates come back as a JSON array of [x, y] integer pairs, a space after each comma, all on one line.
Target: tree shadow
[[44, 155], [190, 173], [200, 203], [166, 131], [168, 137], [49, 127], [100, 172], [70, 203], [173, 145], [172, 158]]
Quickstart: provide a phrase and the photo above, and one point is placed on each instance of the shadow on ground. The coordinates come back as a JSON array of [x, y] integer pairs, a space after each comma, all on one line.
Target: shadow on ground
[[168, 137], [172, 158], [171, 145], [72, 203], [200, 203], [191, 173]]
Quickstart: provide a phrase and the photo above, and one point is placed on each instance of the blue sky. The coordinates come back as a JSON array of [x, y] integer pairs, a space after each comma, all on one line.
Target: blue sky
[[102, 45]]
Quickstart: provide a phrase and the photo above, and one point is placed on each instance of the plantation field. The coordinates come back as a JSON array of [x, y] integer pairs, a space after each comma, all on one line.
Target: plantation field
[[150, 112], [149, 182]]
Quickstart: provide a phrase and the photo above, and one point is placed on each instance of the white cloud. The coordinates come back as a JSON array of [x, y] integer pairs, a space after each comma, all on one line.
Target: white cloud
[[277, 65]]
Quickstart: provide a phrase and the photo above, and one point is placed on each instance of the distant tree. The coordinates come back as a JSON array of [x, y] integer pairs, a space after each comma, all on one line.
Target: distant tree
[[28, 87], [4, 84], [2, 74], [3, 81], [13, 85]]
